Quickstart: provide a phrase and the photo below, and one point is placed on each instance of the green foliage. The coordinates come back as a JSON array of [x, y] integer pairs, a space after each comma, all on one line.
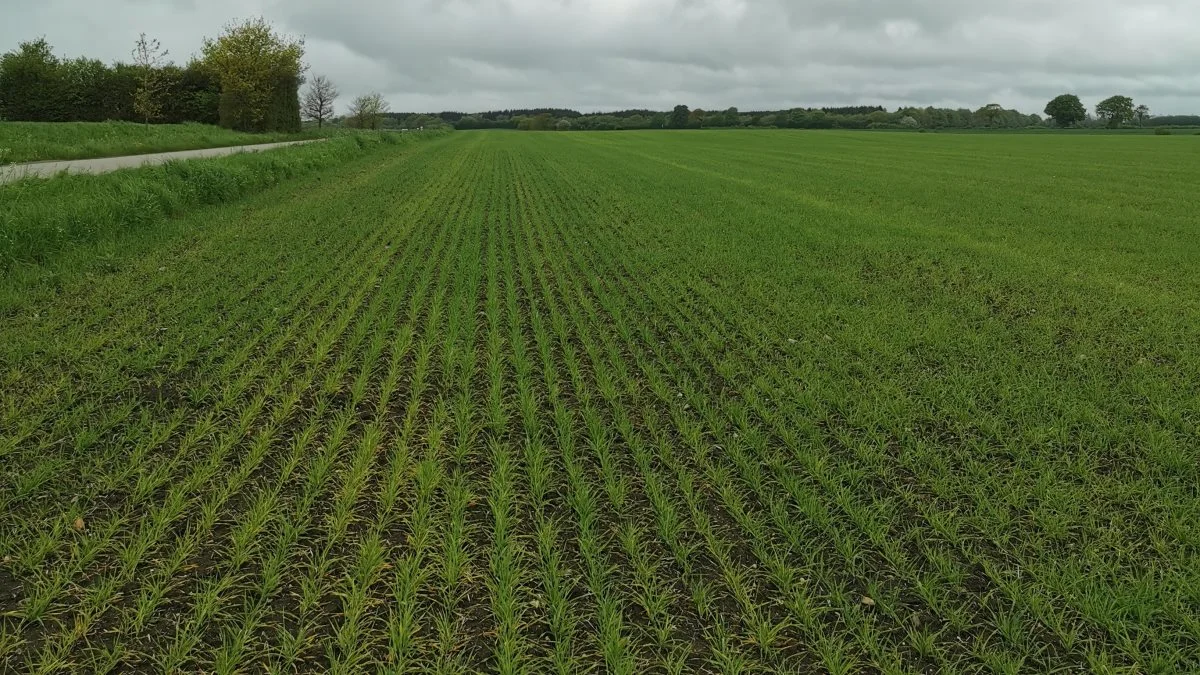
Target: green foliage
[[539, 122], [259, 71], [1066, 110], [1162, 131], [32, 86], [37, 86], [1116, 111], [679, 117]]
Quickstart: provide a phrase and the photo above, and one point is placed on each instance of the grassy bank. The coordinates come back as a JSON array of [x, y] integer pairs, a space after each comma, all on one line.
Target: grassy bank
[[41, 218], [41, 141]]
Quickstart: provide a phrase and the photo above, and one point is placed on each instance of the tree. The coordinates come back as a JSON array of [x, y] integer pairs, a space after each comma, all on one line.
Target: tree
[[1115, 110], [365, 110], [259, 71], [679, 117], [1066, 110], [31, 84], [318, 100], [991, 112], [1142, 112], [149, 58]]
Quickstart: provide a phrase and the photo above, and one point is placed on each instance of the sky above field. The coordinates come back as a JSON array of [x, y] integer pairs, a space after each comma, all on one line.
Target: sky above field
[[472, 55]]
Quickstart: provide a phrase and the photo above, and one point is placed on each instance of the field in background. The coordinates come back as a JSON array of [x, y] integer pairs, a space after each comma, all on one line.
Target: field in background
[[40, 141], [666, 402]]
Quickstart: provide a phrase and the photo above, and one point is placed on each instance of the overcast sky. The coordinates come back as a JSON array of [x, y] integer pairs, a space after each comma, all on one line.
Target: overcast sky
[[471, 55]]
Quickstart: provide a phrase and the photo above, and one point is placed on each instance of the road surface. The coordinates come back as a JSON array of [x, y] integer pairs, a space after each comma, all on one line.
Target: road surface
[[14, 172]]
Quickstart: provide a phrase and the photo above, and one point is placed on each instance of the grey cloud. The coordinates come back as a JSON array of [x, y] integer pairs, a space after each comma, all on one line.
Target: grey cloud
[[755, 54]]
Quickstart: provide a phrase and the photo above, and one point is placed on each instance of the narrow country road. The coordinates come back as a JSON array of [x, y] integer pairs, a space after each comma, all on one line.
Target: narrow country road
[[105, 164]]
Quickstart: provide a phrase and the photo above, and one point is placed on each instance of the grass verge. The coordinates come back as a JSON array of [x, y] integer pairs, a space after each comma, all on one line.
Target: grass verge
[[41, 218], [44, 141]]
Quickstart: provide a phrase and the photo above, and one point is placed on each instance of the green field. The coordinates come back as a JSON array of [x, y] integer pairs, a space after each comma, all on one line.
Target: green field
[[39, 141], [623, 403]]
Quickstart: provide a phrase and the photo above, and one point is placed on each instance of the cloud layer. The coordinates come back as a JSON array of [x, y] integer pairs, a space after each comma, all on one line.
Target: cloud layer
[[429, 55]]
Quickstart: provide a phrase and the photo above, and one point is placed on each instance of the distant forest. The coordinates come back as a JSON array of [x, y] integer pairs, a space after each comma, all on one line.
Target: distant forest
[[849, 117]]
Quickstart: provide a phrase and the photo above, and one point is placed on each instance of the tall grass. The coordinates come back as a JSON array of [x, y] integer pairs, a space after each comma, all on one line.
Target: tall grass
[[41, 218], [41, 141]]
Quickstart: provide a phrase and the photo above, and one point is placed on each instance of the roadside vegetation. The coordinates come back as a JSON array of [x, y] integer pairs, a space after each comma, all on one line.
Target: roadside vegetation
[[40, 141], [679, 402], [246, 79], [40, 218]]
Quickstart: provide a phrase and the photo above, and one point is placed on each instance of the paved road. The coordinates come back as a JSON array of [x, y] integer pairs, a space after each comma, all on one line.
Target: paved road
[[105, 164]]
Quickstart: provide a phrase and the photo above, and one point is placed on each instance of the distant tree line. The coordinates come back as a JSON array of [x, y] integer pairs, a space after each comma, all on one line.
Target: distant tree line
[[682, 117], [381, 118], [246, 79], [1174, 121], [1064, 111], [1114, 112]]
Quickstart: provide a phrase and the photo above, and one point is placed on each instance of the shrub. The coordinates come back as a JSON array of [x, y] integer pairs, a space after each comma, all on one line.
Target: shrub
[[1160, 131]]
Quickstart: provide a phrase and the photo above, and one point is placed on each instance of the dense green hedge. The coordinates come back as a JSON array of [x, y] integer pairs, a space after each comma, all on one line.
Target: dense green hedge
[[38, 86]]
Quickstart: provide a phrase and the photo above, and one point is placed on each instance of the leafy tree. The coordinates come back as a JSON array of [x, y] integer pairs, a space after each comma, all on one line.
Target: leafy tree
[[909, 122], [259, 71], [990, 113], [679, 117], [31, 86], [148, 58], [1066, 110], [366, 110], [1142, 113], [1116, 110], [318, 100]]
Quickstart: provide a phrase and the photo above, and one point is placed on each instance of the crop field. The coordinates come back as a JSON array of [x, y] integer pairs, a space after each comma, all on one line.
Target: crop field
[[622, 403], [40, 141]]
